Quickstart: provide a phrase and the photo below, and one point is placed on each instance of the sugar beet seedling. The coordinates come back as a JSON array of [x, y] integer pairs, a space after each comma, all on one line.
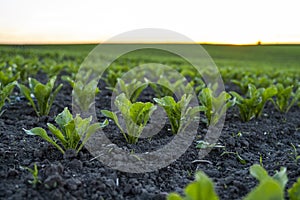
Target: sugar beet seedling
[[70, 132]]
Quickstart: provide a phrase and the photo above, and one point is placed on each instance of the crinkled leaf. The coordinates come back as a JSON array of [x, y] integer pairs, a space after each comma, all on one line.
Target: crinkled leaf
[[63, 118], [166, 101], [81, 125], [123, 104], [139, 112]]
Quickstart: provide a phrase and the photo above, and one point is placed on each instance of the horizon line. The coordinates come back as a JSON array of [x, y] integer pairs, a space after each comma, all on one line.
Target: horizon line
[[147, 42]]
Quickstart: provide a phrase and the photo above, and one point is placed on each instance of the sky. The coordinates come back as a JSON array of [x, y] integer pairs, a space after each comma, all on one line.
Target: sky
[[211, 21]]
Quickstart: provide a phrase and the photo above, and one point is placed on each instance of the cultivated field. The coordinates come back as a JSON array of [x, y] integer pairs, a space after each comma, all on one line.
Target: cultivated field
[[45, 151]]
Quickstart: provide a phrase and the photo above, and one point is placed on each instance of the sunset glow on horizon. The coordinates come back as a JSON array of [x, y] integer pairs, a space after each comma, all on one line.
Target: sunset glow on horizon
[[225, 22]]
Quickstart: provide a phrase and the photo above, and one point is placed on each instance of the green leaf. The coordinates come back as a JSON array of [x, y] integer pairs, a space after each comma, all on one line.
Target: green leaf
[[90, 131], [281, 177], [139, 112], [179, 113], [166, 101], [5, 92], [294, 191], [136, 111], [201, 189], [267, 190], [114, 117], [135, 115], [215, 106], [55, 131], [27, 93], [84, 93], [81, 125], [72, 135], [174, 196], [110, 115], [52, 97], [269, 92], [258, 172], [64, 118], [135, 95], [123, 104], [43, 134], [32, 83], [172, 109], [42, 94]]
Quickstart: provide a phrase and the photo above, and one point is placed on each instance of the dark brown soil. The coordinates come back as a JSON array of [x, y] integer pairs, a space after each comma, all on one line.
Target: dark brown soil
[[77, 177]]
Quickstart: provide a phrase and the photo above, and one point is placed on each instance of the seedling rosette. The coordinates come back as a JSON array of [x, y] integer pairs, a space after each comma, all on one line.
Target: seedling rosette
[[135, 116], [43, 93], [70, 132], [180, 114], [253, 105], [215, 106], [5, 92]]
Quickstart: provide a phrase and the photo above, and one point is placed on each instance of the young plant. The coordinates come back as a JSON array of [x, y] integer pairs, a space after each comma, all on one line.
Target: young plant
[[111, 78], [4, 93], [269, 187], [253, 105], [132, 90], [294, 191], [179, 114], [43, 93], [72, 82], [243, 83], [164, 87], [35, 175], [135, 116], [70, 132], [201, 189], [84, 90], [258, 81], [285, 98], [51, 67], [215, 106], [24, 66], [7, 76], [198, 84]]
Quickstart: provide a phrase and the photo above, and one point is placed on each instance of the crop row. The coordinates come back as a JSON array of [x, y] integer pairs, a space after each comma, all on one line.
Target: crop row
[[174, 95], [269, 187]]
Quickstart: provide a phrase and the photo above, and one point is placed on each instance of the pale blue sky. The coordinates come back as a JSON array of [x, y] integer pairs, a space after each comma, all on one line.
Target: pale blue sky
[[230, 21]]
